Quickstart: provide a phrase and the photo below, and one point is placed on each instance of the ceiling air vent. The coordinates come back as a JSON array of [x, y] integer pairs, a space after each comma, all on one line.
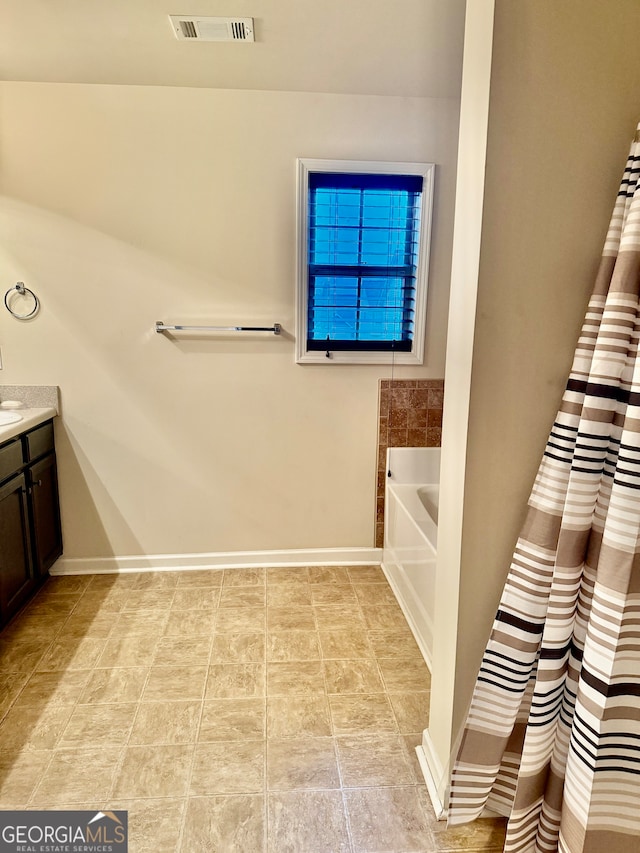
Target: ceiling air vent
[[198, 28]]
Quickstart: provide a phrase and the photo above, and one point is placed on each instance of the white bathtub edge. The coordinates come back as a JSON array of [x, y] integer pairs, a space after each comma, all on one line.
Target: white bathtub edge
[[414, 464], [406, 494], [417, 617]]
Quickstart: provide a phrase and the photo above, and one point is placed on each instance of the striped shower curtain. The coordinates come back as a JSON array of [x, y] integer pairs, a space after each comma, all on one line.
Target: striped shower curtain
[[552, 739]]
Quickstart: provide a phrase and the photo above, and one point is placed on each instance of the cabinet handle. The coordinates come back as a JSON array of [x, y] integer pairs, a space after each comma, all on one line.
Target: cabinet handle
[[38, 483]]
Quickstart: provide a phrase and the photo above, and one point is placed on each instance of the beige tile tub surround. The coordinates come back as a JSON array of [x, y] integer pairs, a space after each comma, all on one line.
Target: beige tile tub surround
[[246, 710], [409, 415]]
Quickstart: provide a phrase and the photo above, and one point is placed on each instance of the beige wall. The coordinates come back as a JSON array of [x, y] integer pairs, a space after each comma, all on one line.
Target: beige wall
[[123, 205], [563, 109]]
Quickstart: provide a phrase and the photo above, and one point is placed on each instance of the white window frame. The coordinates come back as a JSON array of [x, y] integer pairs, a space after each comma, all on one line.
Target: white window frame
[[416, 355]]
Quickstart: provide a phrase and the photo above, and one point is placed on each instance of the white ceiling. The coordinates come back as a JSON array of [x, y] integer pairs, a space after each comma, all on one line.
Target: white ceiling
[[374, 47]]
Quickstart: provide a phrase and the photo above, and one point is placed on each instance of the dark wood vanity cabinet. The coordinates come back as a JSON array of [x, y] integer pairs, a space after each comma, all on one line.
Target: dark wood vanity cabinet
[[44, 508], [42, 494], [30, 532], [16, 569]]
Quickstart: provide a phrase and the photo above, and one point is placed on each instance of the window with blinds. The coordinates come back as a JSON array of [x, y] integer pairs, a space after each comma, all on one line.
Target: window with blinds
[[363, 271]]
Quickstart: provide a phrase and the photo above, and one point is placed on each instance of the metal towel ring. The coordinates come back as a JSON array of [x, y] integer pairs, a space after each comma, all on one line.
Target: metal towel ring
[[23, 291]]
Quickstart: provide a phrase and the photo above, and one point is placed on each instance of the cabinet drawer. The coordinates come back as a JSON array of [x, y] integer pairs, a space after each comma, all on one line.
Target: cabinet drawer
[[39, 441], [10, 458]]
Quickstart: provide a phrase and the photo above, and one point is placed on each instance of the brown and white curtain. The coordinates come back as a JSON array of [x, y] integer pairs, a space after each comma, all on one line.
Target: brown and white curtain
[[552, 739]]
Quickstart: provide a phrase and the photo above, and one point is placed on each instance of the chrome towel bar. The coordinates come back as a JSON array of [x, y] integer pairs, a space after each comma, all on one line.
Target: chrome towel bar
[[163, 327]]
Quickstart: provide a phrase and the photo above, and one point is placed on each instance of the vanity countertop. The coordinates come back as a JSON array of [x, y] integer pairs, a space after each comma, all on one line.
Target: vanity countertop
[[30, 418]]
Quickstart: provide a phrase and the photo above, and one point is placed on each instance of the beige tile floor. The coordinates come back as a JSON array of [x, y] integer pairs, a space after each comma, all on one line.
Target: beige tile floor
[[245, 710]]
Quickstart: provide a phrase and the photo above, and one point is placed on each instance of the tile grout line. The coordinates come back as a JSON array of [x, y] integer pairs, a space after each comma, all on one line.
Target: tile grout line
[[59, 633], [117, 770], [187, 792], [266, 791]]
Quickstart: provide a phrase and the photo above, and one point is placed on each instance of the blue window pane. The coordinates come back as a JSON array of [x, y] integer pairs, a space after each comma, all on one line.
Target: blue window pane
[[386, 209], [384, 247], [376, 324], [338, 246], [336, 207], [335, 292], [337, 324], [344, 324], [382, 292], [352, 230]]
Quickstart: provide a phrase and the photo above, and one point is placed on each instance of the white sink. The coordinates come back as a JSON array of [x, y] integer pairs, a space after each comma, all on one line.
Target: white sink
[[9, 418]]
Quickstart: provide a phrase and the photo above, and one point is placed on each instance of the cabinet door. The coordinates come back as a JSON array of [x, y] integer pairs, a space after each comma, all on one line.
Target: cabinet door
[[45, 514], [16, 580]]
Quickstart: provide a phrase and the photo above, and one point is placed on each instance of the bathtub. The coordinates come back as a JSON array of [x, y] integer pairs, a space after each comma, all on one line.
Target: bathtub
[[411, 536]]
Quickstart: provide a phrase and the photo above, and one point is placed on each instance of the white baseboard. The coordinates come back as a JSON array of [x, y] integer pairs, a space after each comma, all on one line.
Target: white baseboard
[[433, 773], [218, 560]]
